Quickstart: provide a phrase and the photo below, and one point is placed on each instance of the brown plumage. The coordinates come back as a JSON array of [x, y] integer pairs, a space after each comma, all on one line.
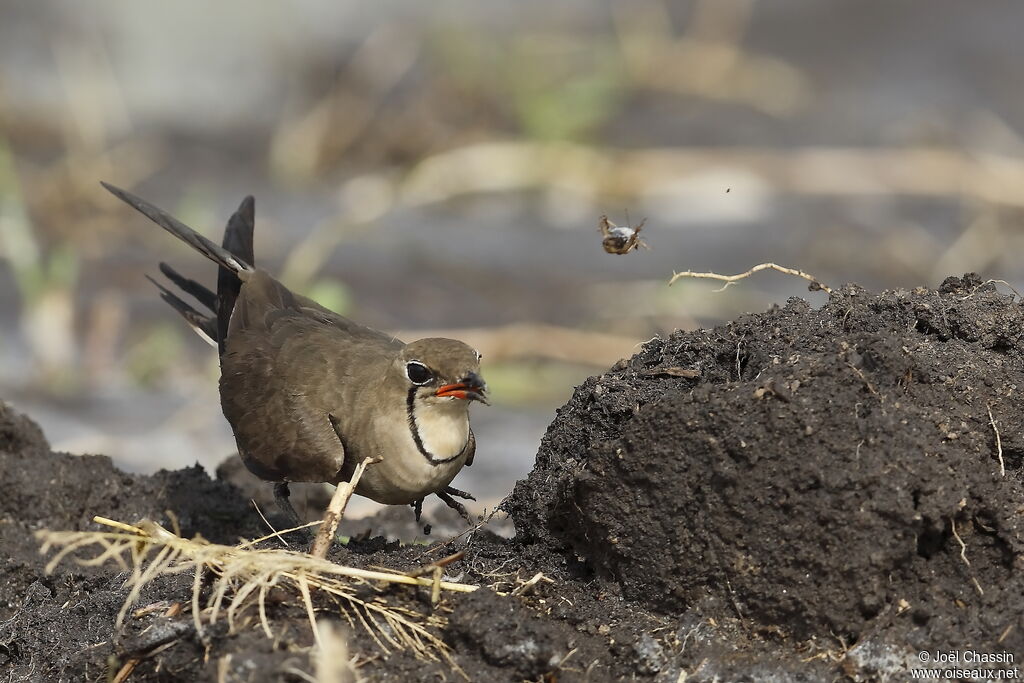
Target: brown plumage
[[310, 393]]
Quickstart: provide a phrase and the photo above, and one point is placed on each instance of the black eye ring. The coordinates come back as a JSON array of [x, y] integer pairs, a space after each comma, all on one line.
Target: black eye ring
[[418, 373]]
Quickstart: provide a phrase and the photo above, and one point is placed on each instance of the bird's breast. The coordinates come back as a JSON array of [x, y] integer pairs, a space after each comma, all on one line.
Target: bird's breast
[[418, 456]]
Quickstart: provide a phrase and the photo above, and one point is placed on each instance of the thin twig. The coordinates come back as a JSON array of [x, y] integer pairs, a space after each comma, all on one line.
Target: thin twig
[[275, 533], [471, 530], [522, 588], [325, 537], [279, 534], [992, 282], [999, 442], [739, 367], [125, 671], [443, 562], [732, 279], [435, 591], [963, 546], [732, 599]]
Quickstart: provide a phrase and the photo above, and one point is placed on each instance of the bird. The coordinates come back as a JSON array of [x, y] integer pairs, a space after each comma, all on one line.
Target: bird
[[310, 394]]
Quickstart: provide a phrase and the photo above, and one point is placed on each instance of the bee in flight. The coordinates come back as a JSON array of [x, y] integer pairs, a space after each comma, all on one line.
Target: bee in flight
[[621, 239]]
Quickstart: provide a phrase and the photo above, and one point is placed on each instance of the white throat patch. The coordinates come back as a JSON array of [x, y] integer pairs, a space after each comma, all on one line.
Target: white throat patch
[[443, 427]]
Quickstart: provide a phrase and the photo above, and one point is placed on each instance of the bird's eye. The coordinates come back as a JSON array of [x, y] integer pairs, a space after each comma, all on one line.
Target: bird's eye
[[478, 355], [418, 373]]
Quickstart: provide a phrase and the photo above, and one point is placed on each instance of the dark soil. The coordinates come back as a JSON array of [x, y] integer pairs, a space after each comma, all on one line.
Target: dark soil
[[778, 498], [60, 627], [812, 479]]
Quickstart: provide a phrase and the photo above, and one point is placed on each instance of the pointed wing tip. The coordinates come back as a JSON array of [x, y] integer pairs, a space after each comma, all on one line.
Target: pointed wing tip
[[156, 282], [125, 196], [114, 189], [247, 209]]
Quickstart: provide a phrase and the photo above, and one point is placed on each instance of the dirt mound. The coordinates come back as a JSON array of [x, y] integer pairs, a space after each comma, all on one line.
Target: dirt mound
[[829, 473]]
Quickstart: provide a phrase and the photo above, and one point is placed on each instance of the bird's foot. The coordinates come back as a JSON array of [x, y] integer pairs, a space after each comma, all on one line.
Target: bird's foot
[[281, 496], [417, 506], [454, 504], [458, 494]]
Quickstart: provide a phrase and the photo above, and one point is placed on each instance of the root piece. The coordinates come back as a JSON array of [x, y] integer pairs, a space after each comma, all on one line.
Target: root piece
[[242, 576], [525, 586], [999, 442], [307, 602], [994, 282], [733, 279], [963, 546]]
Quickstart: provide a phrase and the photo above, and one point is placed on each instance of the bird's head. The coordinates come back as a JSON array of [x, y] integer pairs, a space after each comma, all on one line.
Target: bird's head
[[440, 371]]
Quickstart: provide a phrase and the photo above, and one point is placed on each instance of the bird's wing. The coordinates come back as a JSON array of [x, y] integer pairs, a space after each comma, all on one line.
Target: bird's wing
[[238, 240], [290, 374], [470, 448], [264, 302]]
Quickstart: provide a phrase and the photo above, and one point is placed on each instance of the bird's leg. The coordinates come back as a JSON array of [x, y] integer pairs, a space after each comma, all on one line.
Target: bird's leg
[[454, 504], [458, 494], [417, 507], [281, 497]]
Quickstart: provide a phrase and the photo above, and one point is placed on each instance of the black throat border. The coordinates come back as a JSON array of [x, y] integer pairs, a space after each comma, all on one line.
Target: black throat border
[[410, 407]]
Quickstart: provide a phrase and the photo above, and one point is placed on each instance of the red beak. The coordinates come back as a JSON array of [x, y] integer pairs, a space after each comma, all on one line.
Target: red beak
[[467, 391]]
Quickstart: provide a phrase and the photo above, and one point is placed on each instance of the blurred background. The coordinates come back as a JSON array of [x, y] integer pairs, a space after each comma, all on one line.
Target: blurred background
[[440, 168]]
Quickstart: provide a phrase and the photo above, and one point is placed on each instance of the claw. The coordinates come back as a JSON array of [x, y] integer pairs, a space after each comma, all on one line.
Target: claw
[[457, 493], [455, 505]]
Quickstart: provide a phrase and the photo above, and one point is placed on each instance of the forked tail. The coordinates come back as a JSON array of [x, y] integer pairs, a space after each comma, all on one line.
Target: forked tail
[[235, 260]]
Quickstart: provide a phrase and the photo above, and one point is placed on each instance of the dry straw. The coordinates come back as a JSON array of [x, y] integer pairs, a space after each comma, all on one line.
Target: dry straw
[[242, 576]]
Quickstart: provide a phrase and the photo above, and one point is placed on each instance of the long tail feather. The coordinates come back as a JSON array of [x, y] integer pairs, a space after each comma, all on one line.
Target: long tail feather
[[204, 326], [210, 250], [201, 293]]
